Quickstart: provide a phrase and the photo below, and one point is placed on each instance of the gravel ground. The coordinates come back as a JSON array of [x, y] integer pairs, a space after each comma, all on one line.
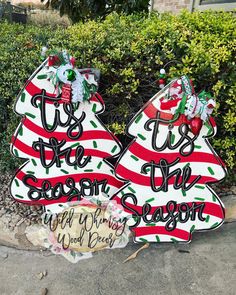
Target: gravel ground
[[16, 212]]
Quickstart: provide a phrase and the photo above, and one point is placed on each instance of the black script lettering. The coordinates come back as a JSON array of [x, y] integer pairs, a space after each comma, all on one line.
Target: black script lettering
[[171, 213], [183, 131], [135, 213], [62, 219], [72, 121], [56, 147], [48, 192], [164, 166], [95, 238]]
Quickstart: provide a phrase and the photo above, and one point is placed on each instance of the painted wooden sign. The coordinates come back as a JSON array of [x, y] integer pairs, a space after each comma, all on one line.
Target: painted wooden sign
[[63, 139], [169, 165]]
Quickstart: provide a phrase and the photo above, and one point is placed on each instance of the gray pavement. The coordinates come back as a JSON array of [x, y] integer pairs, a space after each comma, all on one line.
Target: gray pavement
[[205, 266]]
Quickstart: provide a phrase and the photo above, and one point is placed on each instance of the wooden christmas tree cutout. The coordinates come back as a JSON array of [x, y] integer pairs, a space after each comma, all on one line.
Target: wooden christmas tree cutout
[[65, 143], [167, 168]]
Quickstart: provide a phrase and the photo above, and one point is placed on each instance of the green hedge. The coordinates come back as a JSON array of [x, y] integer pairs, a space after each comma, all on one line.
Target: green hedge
[[129, 51]]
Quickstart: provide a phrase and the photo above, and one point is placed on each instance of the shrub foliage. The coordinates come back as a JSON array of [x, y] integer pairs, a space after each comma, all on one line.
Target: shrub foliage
[[129, 51]]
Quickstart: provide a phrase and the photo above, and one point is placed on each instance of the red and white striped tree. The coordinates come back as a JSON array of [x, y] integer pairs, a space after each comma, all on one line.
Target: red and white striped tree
[[65, 143], [168, 167]]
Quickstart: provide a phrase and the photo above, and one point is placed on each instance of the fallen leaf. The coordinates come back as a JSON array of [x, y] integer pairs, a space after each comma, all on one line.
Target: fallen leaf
[[134, 255], [39, 275], [44, 291], [230, 215]]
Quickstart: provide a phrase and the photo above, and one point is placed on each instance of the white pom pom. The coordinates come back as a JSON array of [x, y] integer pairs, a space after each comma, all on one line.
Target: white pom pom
[[179, 81], [162, 71], [161, 86], [44, 50]]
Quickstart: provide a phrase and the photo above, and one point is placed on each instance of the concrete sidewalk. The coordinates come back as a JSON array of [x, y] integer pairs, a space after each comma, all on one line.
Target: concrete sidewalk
[[205, 266]]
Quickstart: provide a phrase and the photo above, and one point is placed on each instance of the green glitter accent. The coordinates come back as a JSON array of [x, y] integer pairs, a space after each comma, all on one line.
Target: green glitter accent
[[88, 170], [75, 144], [197, 146], [122, 192], [95, 144], [138, 118], [184, 193], [192, 228], [30, 172], [16, 153], [94, 107], [47, 170], [99, 165], [174, 240], [93, 124], [16, 182], [107, 190], [75, 167], [112, 172], [21, 131], [150, 224], [141, 136], [114, 149], [199, 199], [215, 224], [132, 190], [22, 98], [34, 162], [30, 115], [19, 196], [157, 239], [207, 218], [41, 77], [213, 198], [135, 158], [200, 186], [150, 200], [172, 138], [211, 170], [64, 171], [143, 240]]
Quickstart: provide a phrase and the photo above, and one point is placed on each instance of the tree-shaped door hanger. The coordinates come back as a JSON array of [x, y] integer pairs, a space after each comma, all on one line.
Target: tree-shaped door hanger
[[61, 136], [168, 166]]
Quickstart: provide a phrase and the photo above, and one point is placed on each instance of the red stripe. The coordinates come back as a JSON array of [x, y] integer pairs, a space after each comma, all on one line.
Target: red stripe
[[151, 112], [209, 209], [28, 150], [160, 230], [148, 155], [212, 122], [86, 135], [32, 89], [111, 180], [146, 180]]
